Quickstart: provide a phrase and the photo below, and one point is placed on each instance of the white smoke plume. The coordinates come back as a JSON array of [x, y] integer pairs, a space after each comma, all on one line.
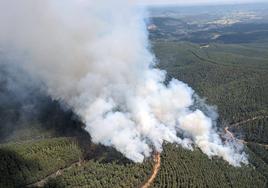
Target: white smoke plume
[[94, 56]]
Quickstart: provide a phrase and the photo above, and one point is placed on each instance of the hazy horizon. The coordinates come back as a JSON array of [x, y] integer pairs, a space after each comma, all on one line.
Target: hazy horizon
[[198, 2]]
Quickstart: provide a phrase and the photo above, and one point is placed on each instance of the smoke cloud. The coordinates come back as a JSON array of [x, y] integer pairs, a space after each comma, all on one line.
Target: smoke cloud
[[94, 57]]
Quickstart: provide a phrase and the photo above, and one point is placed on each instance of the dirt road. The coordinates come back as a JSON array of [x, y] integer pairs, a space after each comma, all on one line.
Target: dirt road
[[156, 168], [42, 182], [248, 120]]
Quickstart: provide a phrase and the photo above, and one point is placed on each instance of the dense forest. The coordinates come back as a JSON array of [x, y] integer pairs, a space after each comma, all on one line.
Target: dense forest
[[44, 144], [27, 162], [52, 150], [232, 77], [194, 169]]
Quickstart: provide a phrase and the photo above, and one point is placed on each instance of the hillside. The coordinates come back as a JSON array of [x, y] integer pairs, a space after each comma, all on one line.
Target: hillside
[[221, 53], [239, 96], [232, 77]]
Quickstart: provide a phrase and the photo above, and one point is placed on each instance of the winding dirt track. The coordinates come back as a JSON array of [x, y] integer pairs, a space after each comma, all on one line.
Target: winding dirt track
[[157, 160], [243, 122], [226, 129], [147, 184], [247, 120], [43, 181]]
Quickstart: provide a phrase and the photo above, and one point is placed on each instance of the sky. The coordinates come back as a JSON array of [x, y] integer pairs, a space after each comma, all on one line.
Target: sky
[[198, 2]]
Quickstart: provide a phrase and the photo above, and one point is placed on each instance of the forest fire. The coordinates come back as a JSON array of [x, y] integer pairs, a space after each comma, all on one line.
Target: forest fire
[[97, 62], [156, 168]]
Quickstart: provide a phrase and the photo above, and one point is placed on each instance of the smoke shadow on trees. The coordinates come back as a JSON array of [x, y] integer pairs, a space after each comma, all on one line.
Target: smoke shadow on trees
[[15, 170]]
